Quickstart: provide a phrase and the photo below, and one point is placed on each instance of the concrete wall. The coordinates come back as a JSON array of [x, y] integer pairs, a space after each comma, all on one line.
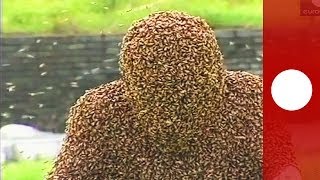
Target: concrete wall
[[41, 77]]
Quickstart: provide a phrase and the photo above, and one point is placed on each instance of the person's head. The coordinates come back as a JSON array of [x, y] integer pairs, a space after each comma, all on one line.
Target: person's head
[[172, 67], [170, 51]]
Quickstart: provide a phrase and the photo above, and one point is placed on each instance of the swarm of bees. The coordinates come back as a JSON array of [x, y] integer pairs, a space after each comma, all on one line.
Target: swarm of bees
[[176, 112]]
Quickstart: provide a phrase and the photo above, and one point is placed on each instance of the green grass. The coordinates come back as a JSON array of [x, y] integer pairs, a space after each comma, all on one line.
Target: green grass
[[26, 170], [115, 16]]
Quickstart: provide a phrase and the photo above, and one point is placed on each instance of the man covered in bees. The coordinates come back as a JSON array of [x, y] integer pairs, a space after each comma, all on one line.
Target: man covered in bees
[[176, 112]]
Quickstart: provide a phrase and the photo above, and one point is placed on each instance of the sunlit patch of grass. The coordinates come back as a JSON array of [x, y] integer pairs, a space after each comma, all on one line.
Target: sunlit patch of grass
[[26, 170], [115, 16]]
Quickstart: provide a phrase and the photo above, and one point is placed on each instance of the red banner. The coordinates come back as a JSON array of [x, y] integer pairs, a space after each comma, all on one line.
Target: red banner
[[292, 41]]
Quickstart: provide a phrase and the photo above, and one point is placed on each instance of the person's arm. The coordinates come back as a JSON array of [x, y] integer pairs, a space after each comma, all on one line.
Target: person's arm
[[82, 153], [278, 159]]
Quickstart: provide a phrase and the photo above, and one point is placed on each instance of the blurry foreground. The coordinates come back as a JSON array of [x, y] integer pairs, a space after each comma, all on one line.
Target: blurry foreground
[[28, 151]]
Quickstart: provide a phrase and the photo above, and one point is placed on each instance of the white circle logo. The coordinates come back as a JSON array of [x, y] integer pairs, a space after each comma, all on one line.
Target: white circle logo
[[291, 90]]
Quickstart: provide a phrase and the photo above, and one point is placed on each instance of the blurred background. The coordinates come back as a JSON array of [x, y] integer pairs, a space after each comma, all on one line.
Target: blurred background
[[54, 50]]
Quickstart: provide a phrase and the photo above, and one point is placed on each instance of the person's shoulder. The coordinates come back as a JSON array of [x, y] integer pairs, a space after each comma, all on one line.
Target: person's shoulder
[[105, 93], [106, 101], [244, 92], [244, 83]]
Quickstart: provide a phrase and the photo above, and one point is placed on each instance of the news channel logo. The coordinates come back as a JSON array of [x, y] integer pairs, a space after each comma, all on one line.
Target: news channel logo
[[310, 7]]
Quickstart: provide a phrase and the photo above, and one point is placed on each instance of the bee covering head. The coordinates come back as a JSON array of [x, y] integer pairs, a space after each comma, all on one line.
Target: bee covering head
[[171, 62]]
